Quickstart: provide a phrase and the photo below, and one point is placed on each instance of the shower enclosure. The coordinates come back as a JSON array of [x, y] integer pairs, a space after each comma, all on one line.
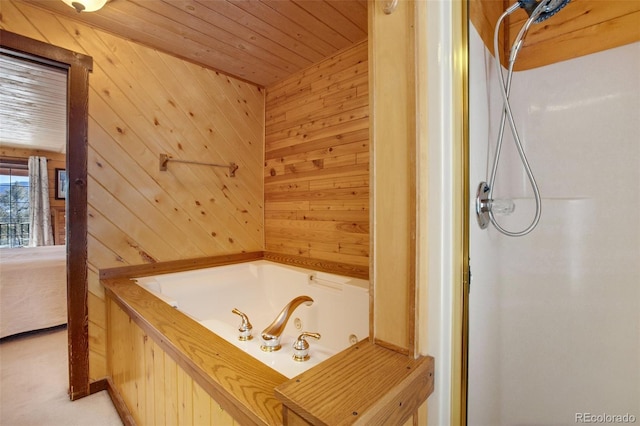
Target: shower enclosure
[[554, 316]]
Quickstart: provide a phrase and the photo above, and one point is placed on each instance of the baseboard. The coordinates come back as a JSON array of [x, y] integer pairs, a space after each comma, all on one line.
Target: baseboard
[[116, 398], [98, 386]]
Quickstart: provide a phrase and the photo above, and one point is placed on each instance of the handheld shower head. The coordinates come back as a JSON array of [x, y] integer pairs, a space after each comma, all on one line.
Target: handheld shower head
[[550, 8], [538, 11]]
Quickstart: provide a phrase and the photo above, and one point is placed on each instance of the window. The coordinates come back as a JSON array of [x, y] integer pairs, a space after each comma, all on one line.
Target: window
[[14, 203]]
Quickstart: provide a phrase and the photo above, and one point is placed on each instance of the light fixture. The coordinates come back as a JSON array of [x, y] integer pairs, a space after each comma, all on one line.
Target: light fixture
[[85, 5]]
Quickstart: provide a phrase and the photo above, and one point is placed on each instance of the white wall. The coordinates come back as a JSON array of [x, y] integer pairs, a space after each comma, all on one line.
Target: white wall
[[436, 168], [555, 315]]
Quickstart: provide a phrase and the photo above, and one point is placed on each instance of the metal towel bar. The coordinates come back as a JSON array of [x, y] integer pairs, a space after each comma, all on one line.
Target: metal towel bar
[[164, 159]]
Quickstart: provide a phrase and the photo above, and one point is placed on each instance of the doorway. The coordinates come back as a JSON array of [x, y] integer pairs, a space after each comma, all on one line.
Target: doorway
[[78, 67]]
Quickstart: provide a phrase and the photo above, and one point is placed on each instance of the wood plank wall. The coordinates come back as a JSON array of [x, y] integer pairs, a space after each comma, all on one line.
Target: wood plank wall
[[156, 389], [143, 103], [582, 27], [55, 160], [316, 169], [393, 107]]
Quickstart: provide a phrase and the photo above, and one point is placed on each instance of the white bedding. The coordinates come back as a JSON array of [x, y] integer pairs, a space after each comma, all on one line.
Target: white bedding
[[33, 288]]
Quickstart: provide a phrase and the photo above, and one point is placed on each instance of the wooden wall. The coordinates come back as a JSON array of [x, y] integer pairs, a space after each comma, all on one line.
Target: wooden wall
[[156, 389], [55, 160], [393, 107], [143, 103], [582, 27], [316, 169]]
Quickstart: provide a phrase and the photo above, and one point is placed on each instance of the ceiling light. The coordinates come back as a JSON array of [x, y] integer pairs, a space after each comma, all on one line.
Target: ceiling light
[[85, 5]]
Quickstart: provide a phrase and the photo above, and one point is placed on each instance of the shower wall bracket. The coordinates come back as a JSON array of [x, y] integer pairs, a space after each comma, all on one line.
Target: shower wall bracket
[[165, 158], [483, 205]]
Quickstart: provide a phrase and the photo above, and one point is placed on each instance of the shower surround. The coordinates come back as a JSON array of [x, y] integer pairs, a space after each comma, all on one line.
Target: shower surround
[[555, 315]]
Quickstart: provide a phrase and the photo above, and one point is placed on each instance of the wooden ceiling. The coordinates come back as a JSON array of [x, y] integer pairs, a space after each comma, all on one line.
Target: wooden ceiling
[[260, 41], [33, 105]]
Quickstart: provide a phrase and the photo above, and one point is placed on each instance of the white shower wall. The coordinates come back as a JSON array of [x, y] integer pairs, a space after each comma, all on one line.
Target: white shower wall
[[555, 315]]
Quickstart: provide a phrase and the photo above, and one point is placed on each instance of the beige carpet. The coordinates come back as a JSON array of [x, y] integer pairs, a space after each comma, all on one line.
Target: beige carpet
[[34, 384]]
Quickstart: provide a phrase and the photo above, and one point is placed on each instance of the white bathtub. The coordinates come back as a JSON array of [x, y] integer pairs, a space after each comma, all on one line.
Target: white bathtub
[[260, 289]]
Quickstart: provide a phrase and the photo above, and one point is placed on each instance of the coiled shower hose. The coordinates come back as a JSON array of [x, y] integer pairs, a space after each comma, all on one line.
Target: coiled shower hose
[[507, 115]]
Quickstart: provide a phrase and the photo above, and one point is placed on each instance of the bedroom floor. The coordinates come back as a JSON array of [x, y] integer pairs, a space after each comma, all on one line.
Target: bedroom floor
[[34, 381]]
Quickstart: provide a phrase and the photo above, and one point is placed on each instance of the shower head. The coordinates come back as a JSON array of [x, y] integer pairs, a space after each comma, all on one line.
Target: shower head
[[551, 8]]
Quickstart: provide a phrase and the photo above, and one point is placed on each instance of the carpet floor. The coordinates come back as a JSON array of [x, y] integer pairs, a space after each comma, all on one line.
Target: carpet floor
[[34, 385]]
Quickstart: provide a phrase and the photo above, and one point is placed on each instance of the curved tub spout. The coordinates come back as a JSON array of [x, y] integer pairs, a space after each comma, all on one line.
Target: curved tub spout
[[271, 334]]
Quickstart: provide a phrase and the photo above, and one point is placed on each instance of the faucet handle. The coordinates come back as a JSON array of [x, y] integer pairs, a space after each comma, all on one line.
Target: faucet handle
[[245, 327], [301, 346]]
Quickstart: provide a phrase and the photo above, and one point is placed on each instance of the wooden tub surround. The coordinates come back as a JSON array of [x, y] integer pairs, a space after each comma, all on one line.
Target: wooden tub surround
[[169, 369]]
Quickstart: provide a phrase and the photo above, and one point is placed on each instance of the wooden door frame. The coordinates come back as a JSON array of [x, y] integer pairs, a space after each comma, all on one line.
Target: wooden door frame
[[78, 67]]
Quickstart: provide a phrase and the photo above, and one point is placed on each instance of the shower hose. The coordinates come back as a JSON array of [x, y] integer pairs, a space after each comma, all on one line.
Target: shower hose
[[507, 116]]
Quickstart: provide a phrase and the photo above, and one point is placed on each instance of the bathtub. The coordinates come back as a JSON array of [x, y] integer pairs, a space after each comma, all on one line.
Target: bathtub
[[260, 289]]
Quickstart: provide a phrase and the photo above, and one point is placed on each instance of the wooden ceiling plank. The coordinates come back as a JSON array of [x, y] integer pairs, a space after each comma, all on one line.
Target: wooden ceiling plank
[[185, 35], [22, 72], [27, 82], [324, 12], [257, 41], [311, 41], [135, 28], [32, 105], [49, 120], [275, 33], [45, 89], [245, 38], [32, 94], [573, 17], [295, 13], [204, 21], [26, 68], [354, 11]]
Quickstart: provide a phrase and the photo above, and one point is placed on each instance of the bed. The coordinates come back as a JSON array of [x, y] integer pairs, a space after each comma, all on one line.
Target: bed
[[33, 288]]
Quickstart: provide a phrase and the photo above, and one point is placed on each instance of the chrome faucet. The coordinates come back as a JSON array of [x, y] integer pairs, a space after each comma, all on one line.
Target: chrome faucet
[[301, 346], [271, 334], [244, 330]]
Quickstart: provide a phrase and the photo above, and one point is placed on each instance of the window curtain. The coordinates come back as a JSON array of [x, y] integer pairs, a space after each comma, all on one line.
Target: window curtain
[[40, 233]]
